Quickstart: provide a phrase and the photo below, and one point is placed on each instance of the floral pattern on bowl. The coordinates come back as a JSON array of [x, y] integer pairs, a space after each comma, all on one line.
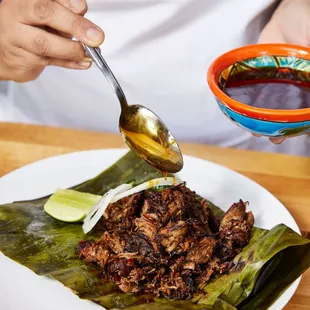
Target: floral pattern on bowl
[[266, 68]]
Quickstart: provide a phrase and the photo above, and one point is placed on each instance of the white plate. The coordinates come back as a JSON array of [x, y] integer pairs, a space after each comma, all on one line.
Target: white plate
[[22, 289]]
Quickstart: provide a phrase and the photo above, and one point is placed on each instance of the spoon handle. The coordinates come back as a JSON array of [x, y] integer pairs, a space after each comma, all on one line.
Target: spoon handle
[[96, 56]]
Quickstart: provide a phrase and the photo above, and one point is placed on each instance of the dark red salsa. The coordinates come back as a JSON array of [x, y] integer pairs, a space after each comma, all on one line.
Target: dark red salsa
[[271, 95]]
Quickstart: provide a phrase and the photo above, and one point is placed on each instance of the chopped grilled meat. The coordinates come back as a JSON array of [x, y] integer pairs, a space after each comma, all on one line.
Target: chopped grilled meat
[[235, 230], [93, 253], [145, 247], [113, 242], [172, 234], [176, 264], [236, 224], [128, 286], [121, 214], [214, 222], [166, 243], [189, 265], [119, 267], [176, 205], [198, 229], [237, 212], [138, 245], [154, 208], [147, 226], [202, 253], [175, 287], [214, 267], [186, 244]]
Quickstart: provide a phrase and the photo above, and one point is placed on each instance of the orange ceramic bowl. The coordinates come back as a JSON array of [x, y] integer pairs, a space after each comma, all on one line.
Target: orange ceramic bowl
[[259, 62]]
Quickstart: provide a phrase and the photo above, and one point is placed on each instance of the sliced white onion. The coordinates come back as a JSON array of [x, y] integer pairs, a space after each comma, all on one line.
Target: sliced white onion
[[96, 207], [118, 193], [99, 208], [147, 185]]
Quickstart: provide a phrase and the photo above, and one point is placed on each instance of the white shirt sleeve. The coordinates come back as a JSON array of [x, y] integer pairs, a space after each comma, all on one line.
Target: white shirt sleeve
[[4, 101]]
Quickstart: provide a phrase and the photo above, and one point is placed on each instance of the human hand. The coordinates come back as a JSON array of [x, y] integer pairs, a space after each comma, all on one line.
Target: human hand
[[290, 24], [38, 33]]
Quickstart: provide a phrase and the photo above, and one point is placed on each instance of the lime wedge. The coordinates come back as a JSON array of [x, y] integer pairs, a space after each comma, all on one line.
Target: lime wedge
[[69, 205]]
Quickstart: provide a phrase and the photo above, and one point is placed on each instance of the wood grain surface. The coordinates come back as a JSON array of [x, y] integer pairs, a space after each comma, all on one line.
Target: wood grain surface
[[286, 177]]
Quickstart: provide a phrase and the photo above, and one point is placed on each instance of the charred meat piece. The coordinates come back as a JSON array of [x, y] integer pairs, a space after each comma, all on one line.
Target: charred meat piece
[[145, 248], [198, 229], [215, 266], [139, 246], [147, 226], [213, 221], [176, 205], [113, 242], [128, 286], [226, 251], [171, 235], [166, 243], [237, 212], [175, 287], [236, 224], [121, 214], [186, 244], [93, 253], [202, 252], [155, 209], [119, 267], [189, 265]]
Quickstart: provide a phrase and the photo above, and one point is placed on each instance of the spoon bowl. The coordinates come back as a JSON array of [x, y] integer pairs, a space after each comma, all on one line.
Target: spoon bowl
[[146, 134], [143, 131]]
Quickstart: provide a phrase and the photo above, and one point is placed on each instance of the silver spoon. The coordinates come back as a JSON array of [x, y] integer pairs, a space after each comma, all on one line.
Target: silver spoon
[[142, 130]]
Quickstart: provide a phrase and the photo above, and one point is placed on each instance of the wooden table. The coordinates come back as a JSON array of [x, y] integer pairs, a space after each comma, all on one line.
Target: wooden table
[[287, 177]]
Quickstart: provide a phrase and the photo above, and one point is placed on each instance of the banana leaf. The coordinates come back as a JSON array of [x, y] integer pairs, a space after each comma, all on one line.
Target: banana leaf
[[263, 270]]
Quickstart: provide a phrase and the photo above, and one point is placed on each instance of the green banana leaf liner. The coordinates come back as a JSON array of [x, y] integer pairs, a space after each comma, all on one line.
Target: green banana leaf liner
[[263, 270]]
